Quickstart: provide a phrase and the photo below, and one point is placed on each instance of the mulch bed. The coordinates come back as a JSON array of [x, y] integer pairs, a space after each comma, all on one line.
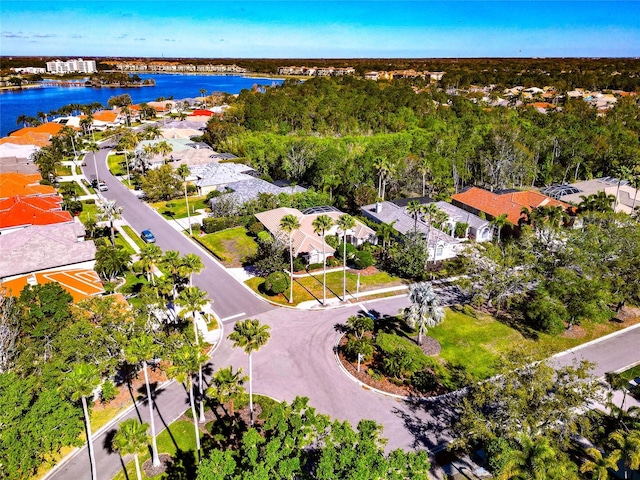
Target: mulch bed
[[165, 462], [384, 383]]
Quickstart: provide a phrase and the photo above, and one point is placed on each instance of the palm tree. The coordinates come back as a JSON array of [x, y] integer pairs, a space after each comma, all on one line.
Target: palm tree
[[128, 141], [110, 211], [192, 299], [500, 222], [203, 93], [150, 255], [386, 230], [414, 208], [22, 119], [345, 223], [251, 336], [151, 132], [321, 224], [174, 262], [227, 387], [185, 361], [131, 439], [627, 447], [598, 465], [141, 349], [183, 172], [79, 384], [534, 459], [163, 148], [111, 261], [425, 311], [430, 212], [191, 263], [289, 223]]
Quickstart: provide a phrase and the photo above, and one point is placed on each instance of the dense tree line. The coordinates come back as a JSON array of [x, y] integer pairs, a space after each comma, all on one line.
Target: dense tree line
[[344, 136]]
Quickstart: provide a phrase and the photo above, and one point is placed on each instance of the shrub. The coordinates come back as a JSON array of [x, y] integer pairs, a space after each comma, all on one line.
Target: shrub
[[363, 260], [196, 227], [389, 343], [351, 251], [314, 266], [276, 282], [215, 224], [363, 346], [333, 262], [299, 264], [424, 381], [264, 236], [255, 228], [545, 313], [170, 205], [191, 188], [332, 240], [212, 194], [90, 201], [397, 363], [109, 392]]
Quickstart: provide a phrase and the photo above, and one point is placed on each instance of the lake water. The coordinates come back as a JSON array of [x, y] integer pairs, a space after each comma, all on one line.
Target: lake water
[[30, 101]]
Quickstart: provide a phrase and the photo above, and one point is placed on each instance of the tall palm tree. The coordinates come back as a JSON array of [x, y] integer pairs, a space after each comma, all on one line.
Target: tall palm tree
[[227, 387], [627, 447], [131, 439], [414, 209], [203, 93], [321, 224], [139, 350], [191, 263], [183, 172], [110, 211], [22, 119], [151, 132], [172, 260], [289, 223], [192, 299], [345, 223], [251, 336], [500, 222], [150, 255], [186, 361], [598, 464], [163, 148], [79, 384], [425, 310], [386, 230], [431, 211], [128, 141]]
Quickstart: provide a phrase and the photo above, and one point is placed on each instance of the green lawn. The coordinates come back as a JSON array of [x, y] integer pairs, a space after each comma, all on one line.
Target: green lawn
[[232, 246], [310, 288], [116, 163], [121, 242], [134, 236], [177, 208], [63, 170], [474, 343], [78, 189], [88, 210]]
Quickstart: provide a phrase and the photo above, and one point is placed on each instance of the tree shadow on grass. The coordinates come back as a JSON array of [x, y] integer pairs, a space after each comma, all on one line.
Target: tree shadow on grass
[[183, 467]]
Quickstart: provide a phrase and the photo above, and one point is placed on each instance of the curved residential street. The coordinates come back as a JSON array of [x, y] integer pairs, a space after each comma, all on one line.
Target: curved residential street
[[299, 358]]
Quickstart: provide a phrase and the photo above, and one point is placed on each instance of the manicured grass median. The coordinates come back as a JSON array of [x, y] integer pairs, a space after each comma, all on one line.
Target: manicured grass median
[[117, 164], [133, 235], [310, 287]]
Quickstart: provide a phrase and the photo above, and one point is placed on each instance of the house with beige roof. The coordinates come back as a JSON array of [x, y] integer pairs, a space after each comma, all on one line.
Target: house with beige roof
[[305, 241], [44, 248]]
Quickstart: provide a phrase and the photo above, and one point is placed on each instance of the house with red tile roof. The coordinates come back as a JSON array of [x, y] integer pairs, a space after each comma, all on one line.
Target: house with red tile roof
[[39, 139], [81, 283], [50, 128], [202, 113], [510, 202], [19, 212], [25, 185]]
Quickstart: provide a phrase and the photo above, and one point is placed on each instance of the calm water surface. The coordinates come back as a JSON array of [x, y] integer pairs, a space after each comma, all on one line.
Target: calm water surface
[[33, 100]]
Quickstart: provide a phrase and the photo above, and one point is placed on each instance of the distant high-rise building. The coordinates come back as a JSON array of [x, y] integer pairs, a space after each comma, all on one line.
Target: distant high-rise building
[[72, 66]]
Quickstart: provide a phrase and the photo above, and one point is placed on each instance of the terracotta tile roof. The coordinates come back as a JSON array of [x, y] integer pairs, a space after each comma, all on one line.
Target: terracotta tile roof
[[80, 283], [50, 128], [106, 116], [20, 211], [39, 139], [510, 203], [202, 113], [12, 184]]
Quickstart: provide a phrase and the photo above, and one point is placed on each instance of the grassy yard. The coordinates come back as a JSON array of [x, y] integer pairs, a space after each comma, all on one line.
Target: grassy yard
[[78, 189], [88, 210], [177, 208], [121, 242], [632, 373], [310, 288], [232, 246], [117, 165], [474, 343], [63, 170]]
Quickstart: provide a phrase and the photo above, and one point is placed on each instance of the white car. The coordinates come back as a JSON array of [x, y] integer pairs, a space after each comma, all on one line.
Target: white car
[[103, 187]]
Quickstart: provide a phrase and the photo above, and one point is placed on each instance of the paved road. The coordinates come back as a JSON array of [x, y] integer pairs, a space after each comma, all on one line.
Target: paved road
[[231, 300]]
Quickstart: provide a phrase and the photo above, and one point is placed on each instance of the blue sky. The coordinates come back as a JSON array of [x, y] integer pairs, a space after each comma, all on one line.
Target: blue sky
[[316, 29]]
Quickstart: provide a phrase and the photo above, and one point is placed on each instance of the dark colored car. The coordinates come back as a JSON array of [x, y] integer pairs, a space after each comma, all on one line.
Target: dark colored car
[[147, 236]]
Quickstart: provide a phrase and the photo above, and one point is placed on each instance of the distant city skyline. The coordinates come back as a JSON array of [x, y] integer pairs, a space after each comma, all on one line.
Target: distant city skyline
[[317, 29]]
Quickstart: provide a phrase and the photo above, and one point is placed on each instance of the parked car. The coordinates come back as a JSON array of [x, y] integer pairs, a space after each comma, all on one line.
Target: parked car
[[147, 236], [103, 187]]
